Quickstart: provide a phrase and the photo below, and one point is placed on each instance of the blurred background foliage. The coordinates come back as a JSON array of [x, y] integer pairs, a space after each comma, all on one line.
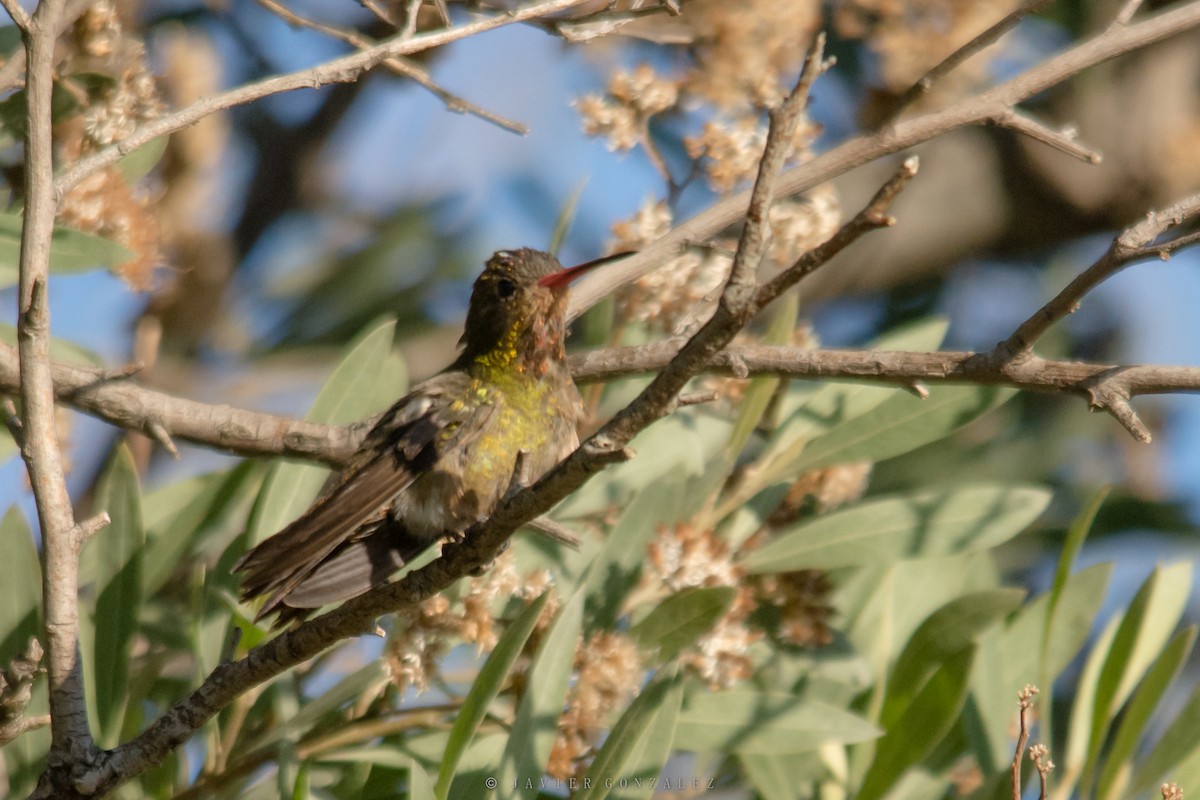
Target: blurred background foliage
[[252, 254]]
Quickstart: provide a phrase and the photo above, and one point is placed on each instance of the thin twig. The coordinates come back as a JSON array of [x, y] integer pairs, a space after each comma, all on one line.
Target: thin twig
[[904, 134], [1125, 15], [1024, 701], [952, 61], [1133, 244], [339, 70], [1063, 140], [19, 15], [398, 66]]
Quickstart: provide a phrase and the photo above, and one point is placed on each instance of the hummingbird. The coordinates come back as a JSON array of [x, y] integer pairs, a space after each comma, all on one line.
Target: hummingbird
[[442, 457]]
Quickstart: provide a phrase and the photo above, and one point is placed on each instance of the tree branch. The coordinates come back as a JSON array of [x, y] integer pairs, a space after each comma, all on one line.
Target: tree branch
[[71, 740], [340, 70], [900, 136]]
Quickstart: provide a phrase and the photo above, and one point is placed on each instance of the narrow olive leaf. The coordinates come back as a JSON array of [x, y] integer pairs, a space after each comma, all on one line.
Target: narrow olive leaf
[[1076, 535], [919, 525], [21, 589], [926, 721], [300, 789], [360, 683], [639, 744], [1143, 632], [487, 685], [900, 424], [1079, 727], [70, 250], [778, 777], [60, 349], [943, 635], [1015, 651], [1179, 743], [141, 160], [536, 724], [1118, 760], [650, 756], [348, 395], [681, 619], [114, 556], [751, 721], [419, 785], [757, 396], [565, 217], [185, 512], [807, 413]]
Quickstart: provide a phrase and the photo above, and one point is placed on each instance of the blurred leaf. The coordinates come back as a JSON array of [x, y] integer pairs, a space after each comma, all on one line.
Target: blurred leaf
[[60, 349], [681, 619], [1118, 761], [928, 523], [138, 163], [419, 785], [347, 688], [680, 445], [926, 720], [1179, 742], [178, 516], [536, 725], [1143, 632], [751, 721], [21, 589], [1076, 535], [488, 682], [902, 423], [349, 394], [113, 559], [639, 743], [565, 217], [945, 634], [70, 250]]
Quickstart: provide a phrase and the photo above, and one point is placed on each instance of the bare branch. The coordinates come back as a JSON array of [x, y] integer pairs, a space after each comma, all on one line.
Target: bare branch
[[902, 135], [399, 66], [1133, 244], [873, 216], [18, 14], [952, 61], [1063, 140], [340, 70], [71, 739], [1127, 11]]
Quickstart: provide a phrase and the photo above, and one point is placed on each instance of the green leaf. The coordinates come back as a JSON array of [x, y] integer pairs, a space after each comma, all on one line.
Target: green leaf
[[70, 250], [920, 525], [536, 724], [1076, 535], [113, 559], [1118, 761], [140, 161], [60, 349], [1144, 630], [902, 423], [751, 721], [349, 394], [639, 744], [681, 619], [926, 721], [179, 516], [21, 589], [487, 685], [419, 785], [1179, 742], [945, 634]]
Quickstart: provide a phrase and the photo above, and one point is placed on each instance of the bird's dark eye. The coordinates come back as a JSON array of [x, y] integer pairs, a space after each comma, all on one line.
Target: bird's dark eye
[[505, 288]]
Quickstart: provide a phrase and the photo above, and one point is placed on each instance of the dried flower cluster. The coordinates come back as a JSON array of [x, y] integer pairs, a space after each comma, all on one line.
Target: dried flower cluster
[[608, 669], [114, 108], [742, 58], [670, 298], [426, 633], [685, 556]]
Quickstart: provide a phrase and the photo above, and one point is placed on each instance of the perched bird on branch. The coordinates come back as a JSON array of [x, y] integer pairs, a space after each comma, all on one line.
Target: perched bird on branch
[[443, 456]]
